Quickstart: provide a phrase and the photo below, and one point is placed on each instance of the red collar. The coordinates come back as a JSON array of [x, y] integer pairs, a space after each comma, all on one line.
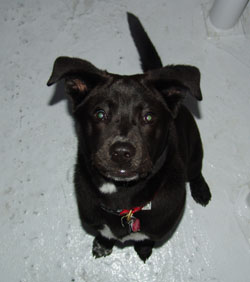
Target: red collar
[[125, 211], [128, 218], [146, 207], [132, 211]]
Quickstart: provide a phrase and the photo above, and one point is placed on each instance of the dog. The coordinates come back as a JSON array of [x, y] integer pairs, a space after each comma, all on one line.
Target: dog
[[138, 145]]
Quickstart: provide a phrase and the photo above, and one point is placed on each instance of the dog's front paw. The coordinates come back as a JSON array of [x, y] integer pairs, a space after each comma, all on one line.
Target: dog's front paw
[[200, 190], [144, 249], [102, 247]]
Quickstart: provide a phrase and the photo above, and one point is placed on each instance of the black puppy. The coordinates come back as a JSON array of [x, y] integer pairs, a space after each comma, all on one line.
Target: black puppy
[[138, 145]]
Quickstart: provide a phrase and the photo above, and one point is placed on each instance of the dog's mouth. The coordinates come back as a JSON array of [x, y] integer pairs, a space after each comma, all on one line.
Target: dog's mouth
[[121, 175]]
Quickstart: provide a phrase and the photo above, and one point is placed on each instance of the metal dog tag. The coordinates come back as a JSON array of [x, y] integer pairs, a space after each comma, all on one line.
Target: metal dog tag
[[126, 224]]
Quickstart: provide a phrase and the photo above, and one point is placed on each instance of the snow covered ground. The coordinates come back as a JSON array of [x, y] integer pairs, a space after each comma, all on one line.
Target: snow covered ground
[[41, 236]]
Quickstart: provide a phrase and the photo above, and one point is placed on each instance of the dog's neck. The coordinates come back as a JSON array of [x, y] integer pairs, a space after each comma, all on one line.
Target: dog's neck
[[139, 193]]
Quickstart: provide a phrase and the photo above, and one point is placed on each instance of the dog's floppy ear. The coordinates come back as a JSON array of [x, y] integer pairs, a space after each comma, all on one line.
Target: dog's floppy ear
[[174, 83], [80, 76]]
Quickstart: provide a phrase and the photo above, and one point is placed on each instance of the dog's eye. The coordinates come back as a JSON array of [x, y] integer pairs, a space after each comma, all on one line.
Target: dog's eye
[[148, 118], [101, 115]]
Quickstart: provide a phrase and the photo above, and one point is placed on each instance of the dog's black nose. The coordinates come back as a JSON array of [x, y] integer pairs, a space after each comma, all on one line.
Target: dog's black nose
[[121, 152]]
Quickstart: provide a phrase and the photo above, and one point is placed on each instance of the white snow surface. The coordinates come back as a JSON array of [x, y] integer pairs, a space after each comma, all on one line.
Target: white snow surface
[[41, 235]]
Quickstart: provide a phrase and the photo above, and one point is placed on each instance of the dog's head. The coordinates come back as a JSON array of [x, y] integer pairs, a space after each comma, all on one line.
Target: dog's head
[[123, 121]]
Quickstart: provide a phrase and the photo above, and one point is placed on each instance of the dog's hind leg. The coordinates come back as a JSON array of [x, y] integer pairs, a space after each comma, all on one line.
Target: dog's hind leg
[[198, 186], [200, 190]]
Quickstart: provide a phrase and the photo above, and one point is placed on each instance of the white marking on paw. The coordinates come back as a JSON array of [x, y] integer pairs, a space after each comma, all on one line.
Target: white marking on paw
[[99, 250], [108, 188]]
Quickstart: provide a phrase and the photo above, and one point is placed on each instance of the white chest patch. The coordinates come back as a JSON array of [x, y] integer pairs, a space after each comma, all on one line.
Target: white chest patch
[[137, 236], [108, 188]]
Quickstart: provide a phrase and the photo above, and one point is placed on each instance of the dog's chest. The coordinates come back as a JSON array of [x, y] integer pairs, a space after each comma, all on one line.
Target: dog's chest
[[124, 225], [134, 236]]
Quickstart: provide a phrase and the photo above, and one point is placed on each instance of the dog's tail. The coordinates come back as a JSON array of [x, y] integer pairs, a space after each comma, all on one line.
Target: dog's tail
[[148, 55]]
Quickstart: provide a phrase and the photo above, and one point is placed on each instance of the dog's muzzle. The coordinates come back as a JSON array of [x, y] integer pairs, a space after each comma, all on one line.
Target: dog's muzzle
[[122, 156], [121, 160]]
